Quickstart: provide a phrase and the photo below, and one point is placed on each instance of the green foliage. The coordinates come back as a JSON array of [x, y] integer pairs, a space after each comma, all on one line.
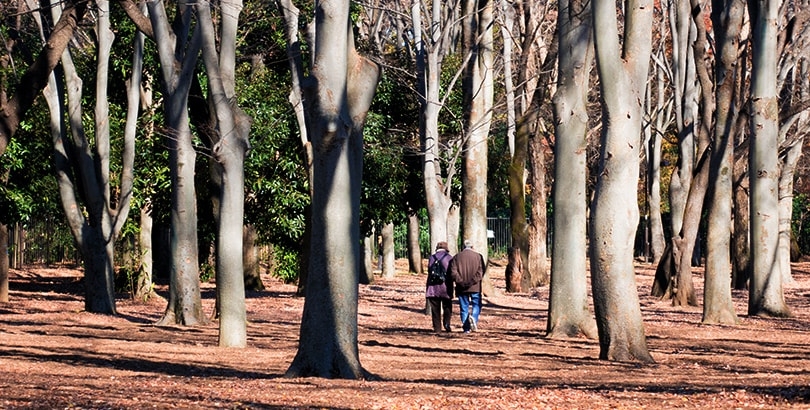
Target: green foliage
[[277, 191], [800, 221], [286, 264], [391, 188]]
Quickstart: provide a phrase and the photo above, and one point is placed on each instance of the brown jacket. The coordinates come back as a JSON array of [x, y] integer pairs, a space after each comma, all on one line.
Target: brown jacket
[[467, 270]]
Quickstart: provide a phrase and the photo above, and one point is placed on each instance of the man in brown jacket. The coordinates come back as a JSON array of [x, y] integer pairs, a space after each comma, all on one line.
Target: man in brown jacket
[[467, 270]]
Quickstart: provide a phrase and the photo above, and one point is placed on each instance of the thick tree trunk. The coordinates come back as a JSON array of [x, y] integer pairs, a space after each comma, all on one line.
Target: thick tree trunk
[[343, 87], [479, 93], [718, 306], [765, 293], [614, 219], [185, 304], [517, 204], [232, 128], [568, 312]]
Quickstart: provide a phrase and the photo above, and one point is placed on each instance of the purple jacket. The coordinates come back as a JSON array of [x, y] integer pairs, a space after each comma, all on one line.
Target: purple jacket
[[440, 290]]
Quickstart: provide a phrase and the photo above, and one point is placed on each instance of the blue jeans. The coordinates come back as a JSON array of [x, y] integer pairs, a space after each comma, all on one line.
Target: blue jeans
[[470, 304]]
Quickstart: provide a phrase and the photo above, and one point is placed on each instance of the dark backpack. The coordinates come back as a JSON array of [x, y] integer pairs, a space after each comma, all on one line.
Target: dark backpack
[[437, 274]]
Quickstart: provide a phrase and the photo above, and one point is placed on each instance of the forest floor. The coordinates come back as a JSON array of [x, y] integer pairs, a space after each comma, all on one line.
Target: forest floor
[[55, 355]]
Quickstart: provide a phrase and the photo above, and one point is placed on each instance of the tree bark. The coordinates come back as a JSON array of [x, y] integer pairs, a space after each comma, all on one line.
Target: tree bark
[[718, 306], [766, 296], [388, 257], [3, 263], [251, 259], [568, 313], [37, 76], [177, 66], [414, 251], [479, 93], [341, 86], [614, 219]]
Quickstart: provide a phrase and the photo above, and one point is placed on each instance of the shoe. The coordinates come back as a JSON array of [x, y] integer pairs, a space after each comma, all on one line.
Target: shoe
[[473, 326], [466, 331], [446, 328]]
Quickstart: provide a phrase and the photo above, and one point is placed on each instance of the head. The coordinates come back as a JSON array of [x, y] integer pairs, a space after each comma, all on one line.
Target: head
[[468, 244], [441, 245]]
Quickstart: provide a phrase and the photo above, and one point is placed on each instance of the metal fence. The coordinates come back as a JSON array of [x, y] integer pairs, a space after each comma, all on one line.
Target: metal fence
[[499, 238], [46, 242], [50, 242]]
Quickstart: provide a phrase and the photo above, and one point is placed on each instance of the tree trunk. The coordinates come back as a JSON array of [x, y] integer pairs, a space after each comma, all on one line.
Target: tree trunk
[[429, 55], [84, 176], [143, 283], [614, 219], [787, 167], [479, 93], [414, 251], [3, 263], [718, 306], [517, 204], [367, 274], [766, 297], [537, 272], [328, 339], [251, 259], [686, 109], [568, 312], [232, 128], [177, 66], [740, 250], [388, 257]]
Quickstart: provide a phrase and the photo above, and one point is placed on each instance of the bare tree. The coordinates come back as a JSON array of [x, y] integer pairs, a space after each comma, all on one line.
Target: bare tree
[[337, 95], [765, 293], [232, 128], [622, 72], [568, 313], [178, 47], [718, 306], [83, 165]]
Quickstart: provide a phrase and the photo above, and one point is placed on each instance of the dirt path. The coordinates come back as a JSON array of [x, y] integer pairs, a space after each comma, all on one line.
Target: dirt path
[[54, 355]]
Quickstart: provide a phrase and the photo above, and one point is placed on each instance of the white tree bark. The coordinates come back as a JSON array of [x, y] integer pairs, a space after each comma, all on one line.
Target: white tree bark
[[622, 73], [765, 293]]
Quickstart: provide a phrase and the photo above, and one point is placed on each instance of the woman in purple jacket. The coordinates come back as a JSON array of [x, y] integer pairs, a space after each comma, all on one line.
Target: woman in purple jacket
[[440, 295]]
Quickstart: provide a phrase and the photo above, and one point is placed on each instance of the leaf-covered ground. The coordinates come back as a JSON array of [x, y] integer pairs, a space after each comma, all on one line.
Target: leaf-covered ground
[[55, 355]]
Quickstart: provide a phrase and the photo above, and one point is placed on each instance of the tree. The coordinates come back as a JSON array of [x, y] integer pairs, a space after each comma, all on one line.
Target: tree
[[568, 313], [673, 279], [178, 47], [95, 217], [37, 75], [765, 292], [718, 306], [622, 73], [337, 95], [232, 128], [477, 32]]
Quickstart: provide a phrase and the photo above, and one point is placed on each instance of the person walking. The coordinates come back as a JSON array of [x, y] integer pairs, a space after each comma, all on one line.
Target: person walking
[[467, 271], [439, 295]]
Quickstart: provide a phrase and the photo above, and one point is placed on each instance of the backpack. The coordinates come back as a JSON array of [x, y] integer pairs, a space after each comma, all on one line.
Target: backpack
[[437, 274]]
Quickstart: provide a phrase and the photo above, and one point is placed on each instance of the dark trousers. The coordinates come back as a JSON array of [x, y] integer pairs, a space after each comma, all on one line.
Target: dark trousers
[[441, 310]]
